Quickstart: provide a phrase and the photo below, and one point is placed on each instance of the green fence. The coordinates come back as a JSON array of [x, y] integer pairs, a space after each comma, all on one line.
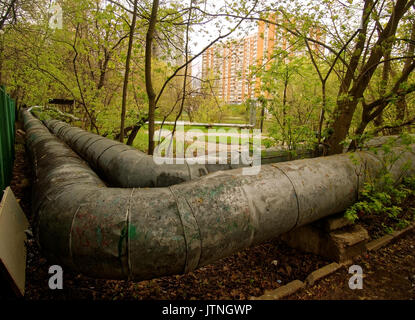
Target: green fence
[[7, 120]]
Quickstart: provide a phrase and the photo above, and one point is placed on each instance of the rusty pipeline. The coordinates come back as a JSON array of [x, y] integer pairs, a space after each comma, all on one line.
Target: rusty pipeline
[[144, 233], [126, 167]]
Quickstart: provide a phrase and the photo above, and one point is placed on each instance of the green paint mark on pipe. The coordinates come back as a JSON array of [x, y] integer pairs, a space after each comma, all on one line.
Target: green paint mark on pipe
[[132, 232]]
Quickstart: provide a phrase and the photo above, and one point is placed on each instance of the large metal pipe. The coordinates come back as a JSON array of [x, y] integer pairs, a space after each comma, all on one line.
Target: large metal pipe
[[151, 232], [127, 167]]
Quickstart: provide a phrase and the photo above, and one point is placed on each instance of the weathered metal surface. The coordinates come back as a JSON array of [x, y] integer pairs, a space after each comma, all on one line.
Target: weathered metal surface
[[146, 233], [127, 167]]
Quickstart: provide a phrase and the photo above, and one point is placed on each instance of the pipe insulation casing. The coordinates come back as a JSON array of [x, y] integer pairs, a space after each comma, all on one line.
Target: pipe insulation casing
[[146, 233], [124, 166]]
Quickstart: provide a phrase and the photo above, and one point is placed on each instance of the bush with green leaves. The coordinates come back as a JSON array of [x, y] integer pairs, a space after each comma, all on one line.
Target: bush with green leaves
[[384, 200], [384, 194]]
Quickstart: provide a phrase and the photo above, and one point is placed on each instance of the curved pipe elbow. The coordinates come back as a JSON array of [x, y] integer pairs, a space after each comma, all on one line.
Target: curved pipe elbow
[[128, 233], [124, 166]]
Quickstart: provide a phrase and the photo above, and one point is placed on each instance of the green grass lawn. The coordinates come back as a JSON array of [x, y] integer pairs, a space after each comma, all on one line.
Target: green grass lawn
[[141, 141]]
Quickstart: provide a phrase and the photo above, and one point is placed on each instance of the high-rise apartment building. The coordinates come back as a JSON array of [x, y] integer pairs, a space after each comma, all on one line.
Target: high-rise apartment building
[[230, 66], [227, 66]]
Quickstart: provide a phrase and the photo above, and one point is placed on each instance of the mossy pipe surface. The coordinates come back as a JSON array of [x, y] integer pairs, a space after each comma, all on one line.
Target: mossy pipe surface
[[126, 167], [129, 233]]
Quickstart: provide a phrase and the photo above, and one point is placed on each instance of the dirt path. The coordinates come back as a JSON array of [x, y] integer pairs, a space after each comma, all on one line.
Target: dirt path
[[388, 273]]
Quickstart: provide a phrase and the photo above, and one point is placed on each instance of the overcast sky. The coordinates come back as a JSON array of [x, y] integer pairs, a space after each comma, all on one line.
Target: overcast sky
[[199, 39]]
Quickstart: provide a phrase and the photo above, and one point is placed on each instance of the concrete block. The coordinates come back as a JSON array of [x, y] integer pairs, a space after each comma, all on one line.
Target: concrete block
[[383, 241], [322, 272], [307, 238], [348, 243], [335, 222], [339, 245], [379, 243], [283, 291], [400, 233], [348, 253], [350, 236]]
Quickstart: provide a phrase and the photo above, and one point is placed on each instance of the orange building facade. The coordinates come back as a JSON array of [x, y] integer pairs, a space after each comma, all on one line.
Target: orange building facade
[[230, 66]]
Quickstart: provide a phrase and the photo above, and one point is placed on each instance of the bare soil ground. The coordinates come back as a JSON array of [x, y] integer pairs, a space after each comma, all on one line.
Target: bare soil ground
[[388, 273]]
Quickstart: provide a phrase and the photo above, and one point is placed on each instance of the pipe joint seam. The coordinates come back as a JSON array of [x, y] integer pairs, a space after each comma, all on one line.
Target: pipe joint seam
[[191, 231]]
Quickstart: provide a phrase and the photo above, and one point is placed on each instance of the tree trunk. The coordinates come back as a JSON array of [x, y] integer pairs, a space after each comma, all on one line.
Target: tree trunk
[[341, 126], [385, 79], [346, 106], [322, 113], [401, 105], [133, 134], [149, 85], [127, 72], [262, 116], [189, 114]]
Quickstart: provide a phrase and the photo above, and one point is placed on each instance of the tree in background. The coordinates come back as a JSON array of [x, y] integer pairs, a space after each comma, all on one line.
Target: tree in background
[[355, 81], [289, 86], [353, 50], [8, 12]]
